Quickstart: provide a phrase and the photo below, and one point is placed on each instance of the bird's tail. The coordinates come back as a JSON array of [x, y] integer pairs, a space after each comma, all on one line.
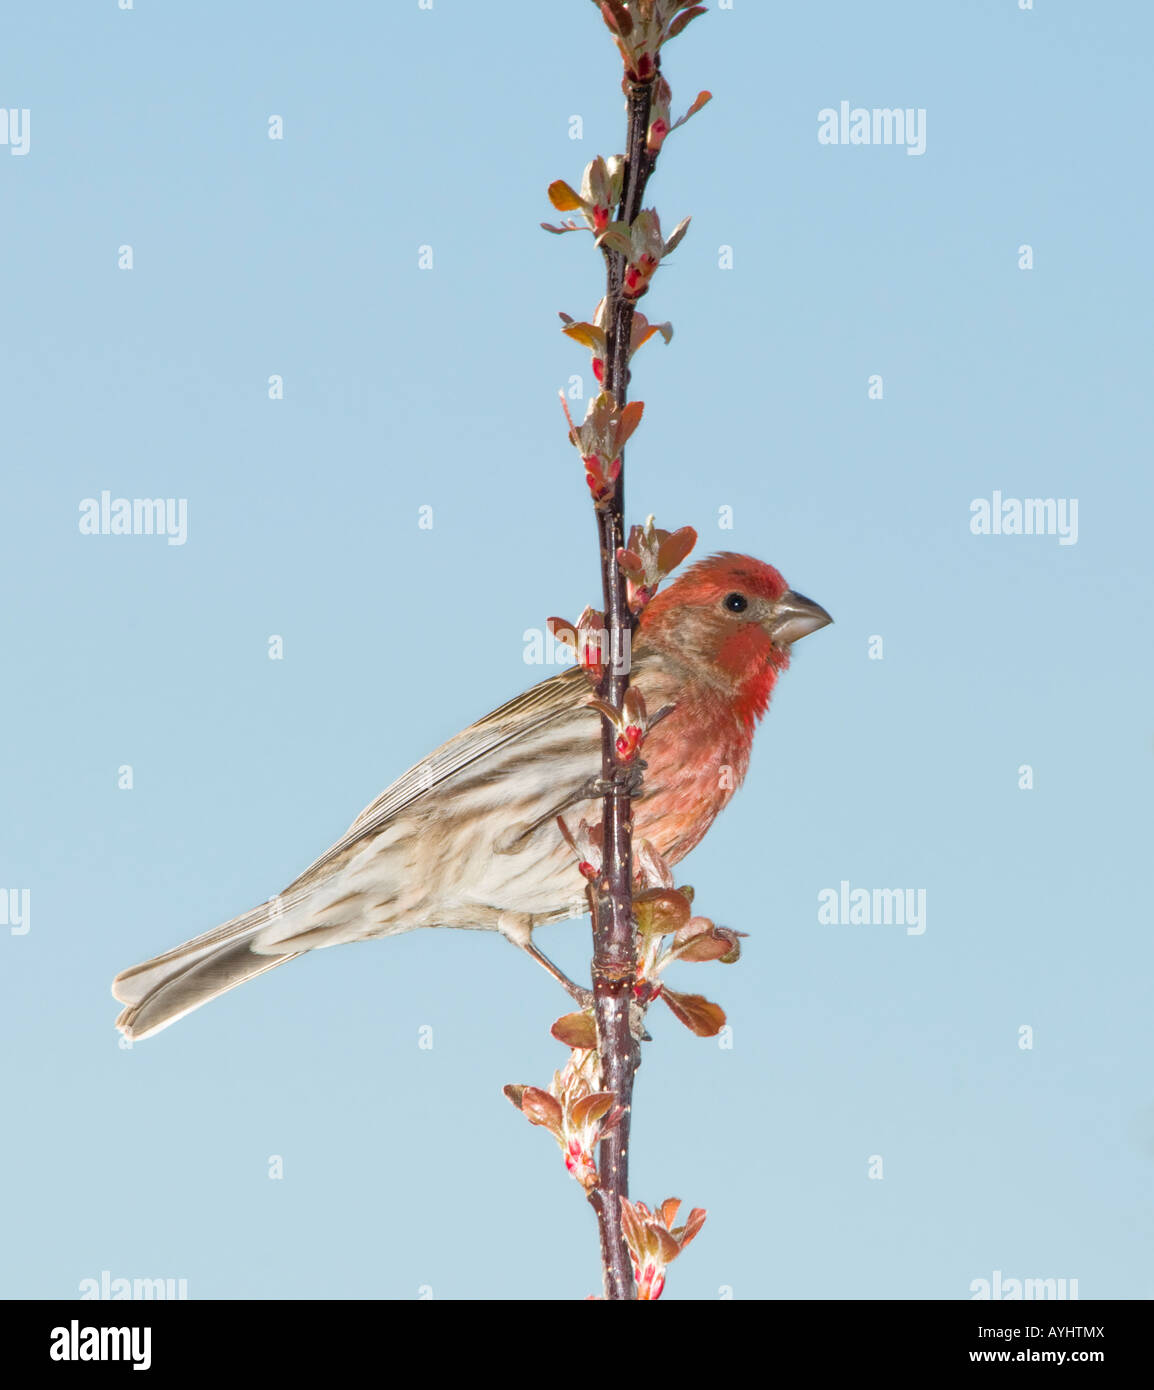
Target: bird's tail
[[163, 989]]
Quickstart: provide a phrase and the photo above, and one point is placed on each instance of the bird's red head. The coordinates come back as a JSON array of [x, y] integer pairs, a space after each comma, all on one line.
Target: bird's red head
[[731, 619]]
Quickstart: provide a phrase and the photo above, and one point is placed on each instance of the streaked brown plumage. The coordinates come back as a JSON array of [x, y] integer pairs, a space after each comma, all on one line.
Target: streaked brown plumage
[[468, 837]]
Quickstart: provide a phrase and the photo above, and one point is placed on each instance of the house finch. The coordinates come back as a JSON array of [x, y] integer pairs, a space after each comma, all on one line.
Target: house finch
[[469, 837]]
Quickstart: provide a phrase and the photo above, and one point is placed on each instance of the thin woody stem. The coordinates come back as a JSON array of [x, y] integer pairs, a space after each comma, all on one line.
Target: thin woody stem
[[614, 946]]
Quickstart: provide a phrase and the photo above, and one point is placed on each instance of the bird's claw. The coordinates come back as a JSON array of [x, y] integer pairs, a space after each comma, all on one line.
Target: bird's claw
[[628, 779]]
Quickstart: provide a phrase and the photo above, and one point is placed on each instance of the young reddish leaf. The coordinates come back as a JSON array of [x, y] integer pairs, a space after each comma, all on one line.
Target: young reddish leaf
[[575, 1030], [591, 619], [662, 910], [560, 231], [540, 1108], [685, 1234], [695, 927], [668, 1211], [587, 334], [667, 1248], [563, 198], [633, 706], [705, 946], [702, 98], [617, 17], [632, 1226], [665, 329], [700, 940], [603, 707], [643, 331], [563, 630], [588, 851], [650, 866], [734, 953], [684, 18], [591, 1108], [611, 1121], [629, 420], [699, 1014], [673, 549]]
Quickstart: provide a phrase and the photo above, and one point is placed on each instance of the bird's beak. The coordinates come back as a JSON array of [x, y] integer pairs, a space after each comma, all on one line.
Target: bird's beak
[[795, 616]]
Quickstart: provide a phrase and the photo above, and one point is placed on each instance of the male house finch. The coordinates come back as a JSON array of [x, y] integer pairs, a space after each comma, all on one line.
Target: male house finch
[[469, 838]]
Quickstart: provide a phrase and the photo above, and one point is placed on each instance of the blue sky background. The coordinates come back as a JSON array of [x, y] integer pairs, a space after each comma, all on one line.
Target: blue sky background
[[405, 1167]]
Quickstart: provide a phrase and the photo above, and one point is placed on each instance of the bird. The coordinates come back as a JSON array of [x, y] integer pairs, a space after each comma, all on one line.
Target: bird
[[469, 837]]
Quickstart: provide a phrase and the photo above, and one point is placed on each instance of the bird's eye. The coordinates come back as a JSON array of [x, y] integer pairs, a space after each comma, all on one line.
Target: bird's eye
[[736, 603]]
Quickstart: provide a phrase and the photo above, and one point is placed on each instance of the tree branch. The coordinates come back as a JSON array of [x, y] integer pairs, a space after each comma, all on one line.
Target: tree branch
[[614, 946]]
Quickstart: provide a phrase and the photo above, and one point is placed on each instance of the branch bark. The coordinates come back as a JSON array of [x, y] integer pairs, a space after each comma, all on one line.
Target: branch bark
[[614, 947]]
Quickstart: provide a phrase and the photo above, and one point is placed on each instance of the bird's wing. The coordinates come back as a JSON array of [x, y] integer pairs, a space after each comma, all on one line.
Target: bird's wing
[[551, 701]]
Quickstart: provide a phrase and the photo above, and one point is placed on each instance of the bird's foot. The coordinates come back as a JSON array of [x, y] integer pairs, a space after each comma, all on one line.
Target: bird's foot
[[628, 779], [578, 993]]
